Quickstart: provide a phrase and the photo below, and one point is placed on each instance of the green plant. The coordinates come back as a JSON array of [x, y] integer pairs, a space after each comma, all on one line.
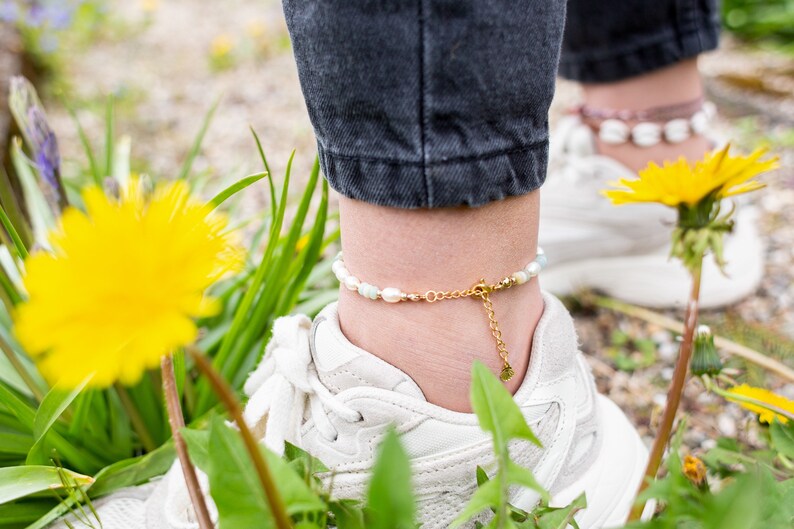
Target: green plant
[[120, 436]]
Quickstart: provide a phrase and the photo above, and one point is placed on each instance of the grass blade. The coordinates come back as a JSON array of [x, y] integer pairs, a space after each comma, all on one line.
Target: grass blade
[[236, 187], [196, 147]]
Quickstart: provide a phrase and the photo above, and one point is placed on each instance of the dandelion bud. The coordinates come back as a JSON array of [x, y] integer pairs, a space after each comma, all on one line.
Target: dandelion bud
[[705, 360]]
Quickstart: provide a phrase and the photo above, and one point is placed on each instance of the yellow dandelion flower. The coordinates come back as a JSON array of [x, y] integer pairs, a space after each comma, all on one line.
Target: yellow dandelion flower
[[221, 46], [718, 175], [123, 283], [694, 469], [761, 401]]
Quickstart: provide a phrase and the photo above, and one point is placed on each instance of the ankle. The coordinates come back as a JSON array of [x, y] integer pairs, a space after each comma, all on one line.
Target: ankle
[[673, 85], [441, 249]]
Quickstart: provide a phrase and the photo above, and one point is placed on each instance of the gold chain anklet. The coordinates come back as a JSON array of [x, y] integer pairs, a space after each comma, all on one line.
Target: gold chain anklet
[[481, 290]]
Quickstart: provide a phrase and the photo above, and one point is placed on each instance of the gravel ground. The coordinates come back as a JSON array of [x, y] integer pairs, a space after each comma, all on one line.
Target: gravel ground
[[162, 66]]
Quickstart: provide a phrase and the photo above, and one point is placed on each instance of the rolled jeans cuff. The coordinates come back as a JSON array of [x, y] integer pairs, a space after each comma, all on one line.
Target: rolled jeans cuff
[[664, 48], [471, 181]]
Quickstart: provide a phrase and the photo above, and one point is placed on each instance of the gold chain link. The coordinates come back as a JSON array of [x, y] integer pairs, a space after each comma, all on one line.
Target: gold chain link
[[483, 291]]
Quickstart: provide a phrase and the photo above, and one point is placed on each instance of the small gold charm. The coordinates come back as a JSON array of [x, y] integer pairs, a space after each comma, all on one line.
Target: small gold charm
[[507, 373]]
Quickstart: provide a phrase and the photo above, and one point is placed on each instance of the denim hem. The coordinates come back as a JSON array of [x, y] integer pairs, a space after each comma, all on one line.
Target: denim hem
[[471, 181], [656, 51]]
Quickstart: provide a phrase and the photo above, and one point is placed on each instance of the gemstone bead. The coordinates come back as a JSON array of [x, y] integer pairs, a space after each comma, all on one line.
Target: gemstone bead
[[391, 295], [368, 291], [542, 260]]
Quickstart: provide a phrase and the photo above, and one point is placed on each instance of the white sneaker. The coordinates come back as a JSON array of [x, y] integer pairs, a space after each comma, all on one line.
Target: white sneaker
[[623, 251], [317, 390]]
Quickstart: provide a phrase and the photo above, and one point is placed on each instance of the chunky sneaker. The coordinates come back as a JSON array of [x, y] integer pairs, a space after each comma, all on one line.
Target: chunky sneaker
[[623, 251], [317, 390]]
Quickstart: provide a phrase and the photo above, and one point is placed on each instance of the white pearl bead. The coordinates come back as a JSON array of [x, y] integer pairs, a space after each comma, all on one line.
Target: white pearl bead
[[533, 269], [613, 131], [676, 130], [391, 295], [540, 251], [339, 270], [646, 134], [352, 283], [699, 122], [521, 277], [710, 109]]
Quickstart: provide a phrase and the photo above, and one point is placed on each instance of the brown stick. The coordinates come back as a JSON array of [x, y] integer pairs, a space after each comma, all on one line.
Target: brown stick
[[723, 344], [675, 391], [229, 400], [177, 421]]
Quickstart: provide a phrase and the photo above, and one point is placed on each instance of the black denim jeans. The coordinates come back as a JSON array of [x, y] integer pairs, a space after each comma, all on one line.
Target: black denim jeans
[[432, 103]]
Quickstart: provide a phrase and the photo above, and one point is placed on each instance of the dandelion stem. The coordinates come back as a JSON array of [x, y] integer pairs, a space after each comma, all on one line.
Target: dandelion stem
[[177, 421], [676, 388], [21, 371], [229, 400], [138, 424]]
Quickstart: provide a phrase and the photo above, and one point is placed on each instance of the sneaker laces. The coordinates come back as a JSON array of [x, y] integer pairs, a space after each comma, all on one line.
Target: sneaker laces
[[286, 382]]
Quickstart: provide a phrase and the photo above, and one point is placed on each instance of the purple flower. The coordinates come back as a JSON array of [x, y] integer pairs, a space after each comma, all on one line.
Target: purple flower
[[9, 11], [41, 140]]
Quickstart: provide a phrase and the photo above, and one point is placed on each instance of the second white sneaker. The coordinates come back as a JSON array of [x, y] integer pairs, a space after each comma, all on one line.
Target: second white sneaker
[[624, 250]]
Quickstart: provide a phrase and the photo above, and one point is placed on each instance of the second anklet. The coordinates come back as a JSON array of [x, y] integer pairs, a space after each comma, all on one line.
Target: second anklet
[[481, 290]]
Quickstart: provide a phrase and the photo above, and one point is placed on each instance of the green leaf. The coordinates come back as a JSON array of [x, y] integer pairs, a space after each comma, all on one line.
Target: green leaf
[[235, 487], [196, 147], [390, 499], [19, 246], [496, 410], [133, 471], [348, 514], [96, 173], [783, 437], [236, 187], [52, 406], [487, 496], [23, 512], [563, 517], [518, 475], [110, 133], [17, 482]]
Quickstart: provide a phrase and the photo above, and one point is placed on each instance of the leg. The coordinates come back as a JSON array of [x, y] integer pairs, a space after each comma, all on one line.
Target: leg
[[421, 112], [642, 57]]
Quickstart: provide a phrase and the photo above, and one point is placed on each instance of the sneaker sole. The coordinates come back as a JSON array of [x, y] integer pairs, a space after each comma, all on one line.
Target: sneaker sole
[[654, 280], [612, 481]]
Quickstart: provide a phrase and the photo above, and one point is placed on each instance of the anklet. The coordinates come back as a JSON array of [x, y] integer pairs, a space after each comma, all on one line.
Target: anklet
[[673, 124], [481, 290]]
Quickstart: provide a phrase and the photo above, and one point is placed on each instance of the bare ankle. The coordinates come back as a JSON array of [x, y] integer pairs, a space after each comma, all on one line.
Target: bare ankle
[[419, 250]]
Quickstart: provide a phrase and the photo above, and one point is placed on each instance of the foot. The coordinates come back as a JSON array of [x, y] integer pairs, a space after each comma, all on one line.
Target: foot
[[318, 391], [623, 251]]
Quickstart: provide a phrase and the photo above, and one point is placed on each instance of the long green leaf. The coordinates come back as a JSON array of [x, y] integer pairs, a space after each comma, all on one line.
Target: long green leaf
[[271, 185], [196, 147], [236, 187], [110, 136], [23, 512], [41, 216], [390, 497], [52, 406], [134, 471], [496, 410], [96, 173], [19, 246], [18, 482]]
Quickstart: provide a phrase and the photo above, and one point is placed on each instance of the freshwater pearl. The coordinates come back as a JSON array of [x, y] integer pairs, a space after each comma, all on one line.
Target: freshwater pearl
[[699, 122], [710, 109], [676, 130], [613, 131], [391, 295], [352, 283], [339, 270], [521, 277], [533, 269], [646, 134], [540, 251]]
